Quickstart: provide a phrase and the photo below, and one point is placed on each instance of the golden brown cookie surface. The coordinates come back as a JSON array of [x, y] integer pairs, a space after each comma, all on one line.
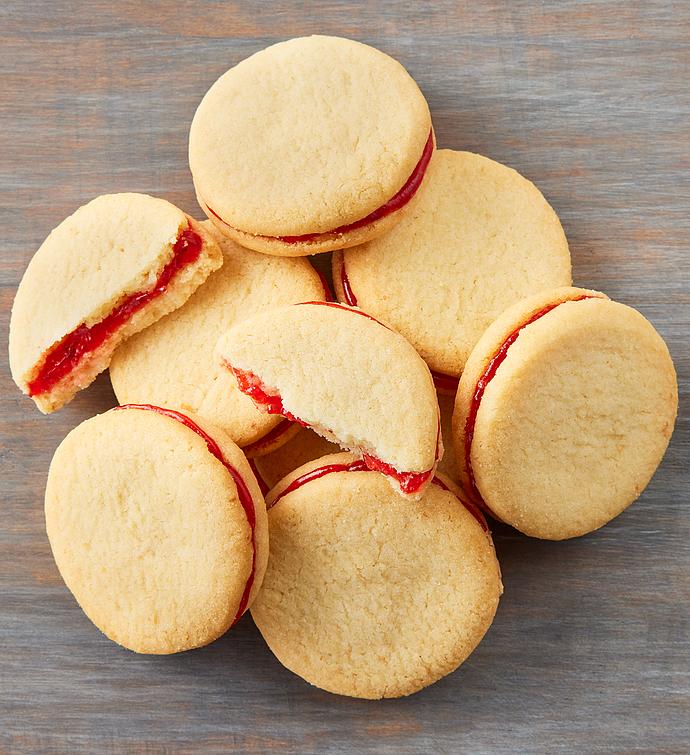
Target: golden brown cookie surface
[[564, 411], [158, 528], [369, 594], [283, 147]]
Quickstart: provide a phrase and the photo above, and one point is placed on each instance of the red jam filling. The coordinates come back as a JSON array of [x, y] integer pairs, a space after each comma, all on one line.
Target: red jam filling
[[64, 356], [487, 376], [443, 382], [327, 295], [272, 403], [361, 466], [395, 203], [245, 497]]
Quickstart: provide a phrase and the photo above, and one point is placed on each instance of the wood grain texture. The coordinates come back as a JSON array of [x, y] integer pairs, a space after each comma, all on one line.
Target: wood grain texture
[[589, 651]]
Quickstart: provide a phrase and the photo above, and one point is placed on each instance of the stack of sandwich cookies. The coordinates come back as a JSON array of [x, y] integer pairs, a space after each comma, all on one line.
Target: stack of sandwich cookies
[[115, 266], [456, 320], [311, 145], [564, 412], [347, 376], [157, 526], [359, 612], [477, 239], [172, 363]]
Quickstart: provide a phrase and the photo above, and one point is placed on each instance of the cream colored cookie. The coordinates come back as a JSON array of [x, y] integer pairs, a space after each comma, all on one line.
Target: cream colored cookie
[[479, 238], [172, 362], [366, 593], [563, 413], [115, 266], [310, 145], [347, 376], [304, 446], [157, 526]]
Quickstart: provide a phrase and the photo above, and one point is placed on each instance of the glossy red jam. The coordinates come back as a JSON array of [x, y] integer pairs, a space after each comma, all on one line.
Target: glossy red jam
[[395, 203], [489, 373], [327, 295], [349, 294], [245, 497], [272, 403], [75, 346], [360, 466]]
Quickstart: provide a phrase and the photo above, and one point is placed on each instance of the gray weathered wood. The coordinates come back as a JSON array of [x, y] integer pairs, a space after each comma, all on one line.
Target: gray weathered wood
[[589, 651]]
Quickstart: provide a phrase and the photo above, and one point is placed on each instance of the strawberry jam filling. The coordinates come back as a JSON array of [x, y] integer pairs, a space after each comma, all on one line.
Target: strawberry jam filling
[[245, 497], [272, 403], [68, 353], [486, 377], [395, 203], [360, 465], [443, 382]]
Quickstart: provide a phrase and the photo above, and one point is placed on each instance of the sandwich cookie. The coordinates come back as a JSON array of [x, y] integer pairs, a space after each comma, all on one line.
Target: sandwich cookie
[[310, 145], [347, 376], [172, 362], [563, 412], [479, 238], [157, 526], [368, 594], [111, 269]]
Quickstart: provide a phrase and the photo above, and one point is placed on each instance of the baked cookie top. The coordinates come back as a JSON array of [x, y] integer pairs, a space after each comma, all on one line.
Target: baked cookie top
[[347, 376], [162, 543], [477, 239], [306, 136], [564, 411], [367, 593], [172, 362]]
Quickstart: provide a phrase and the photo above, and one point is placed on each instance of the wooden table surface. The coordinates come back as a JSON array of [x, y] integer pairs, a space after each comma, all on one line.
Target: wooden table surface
[[589, 650]]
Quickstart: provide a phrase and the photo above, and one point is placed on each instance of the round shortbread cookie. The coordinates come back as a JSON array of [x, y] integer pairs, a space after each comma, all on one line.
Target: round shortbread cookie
[[479, 238], [369, 594], [115, 266], [563, 413], [291, 156], [157, 526], [172, 363], [347, 376]]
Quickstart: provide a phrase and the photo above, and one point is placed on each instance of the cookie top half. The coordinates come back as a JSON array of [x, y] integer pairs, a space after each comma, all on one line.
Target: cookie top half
[[305, 137], [172, 362], [367, 593], [349, 377], [113, 267], [477, 239], [563, 413], [157, 526]]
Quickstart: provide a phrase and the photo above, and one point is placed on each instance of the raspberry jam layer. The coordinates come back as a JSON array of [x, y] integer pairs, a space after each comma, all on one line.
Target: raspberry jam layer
[[272, 403], [245, 497], [85, 339], [361, 466], [487, 376], [395, 203]]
